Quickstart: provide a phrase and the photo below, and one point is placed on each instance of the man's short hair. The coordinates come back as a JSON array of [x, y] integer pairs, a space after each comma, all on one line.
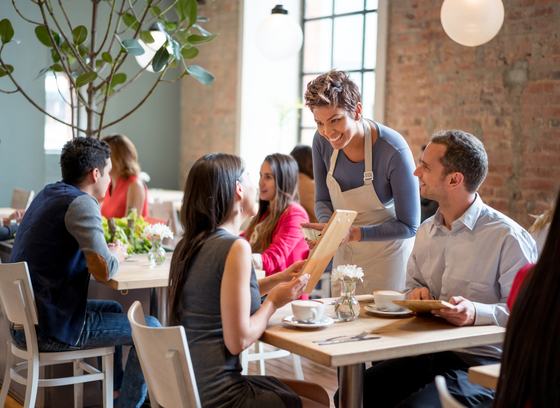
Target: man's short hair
[[465, 154], [80, 156]]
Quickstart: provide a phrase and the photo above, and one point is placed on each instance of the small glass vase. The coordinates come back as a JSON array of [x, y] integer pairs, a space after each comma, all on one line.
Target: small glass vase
[[347, 306], [156, 255]]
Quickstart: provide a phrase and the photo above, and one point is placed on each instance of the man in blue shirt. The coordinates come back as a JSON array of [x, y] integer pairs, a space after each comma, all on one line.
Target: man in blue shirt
[[61, 239], [466, 254]]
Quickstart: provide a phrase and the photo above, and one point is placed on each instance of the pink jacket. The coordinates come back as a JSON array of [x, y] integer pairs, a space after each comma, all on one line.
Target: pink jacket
[[288, 244]]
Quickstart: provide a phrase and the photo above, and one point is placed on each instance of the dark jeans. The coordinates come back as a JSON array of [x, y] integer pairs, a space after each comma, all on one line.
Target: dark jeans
[[105, 325], [409, 382]]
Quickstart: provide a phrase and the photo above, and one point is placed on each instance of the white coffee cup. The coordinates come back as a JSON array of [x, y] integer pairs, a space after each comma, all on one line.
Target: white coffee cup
[[384, 300], [308, 311]]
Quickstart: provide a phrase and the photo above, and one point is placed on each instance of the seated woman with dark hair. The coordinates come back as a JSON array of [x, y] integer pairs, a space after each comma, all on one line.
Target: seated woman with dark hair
[[275, 233], [213, 291], [126, 189], [531, 361], [306, 183]]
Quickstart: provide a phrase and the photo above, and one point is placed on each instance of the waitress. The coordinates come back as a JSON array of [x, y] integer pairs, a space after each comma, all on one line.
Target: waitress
[[366, 167]]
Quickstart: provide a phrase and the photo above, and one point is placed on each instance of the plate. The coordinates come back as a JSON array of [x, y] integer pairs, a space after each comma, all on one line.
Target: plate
[[374, 309], [291, 321]]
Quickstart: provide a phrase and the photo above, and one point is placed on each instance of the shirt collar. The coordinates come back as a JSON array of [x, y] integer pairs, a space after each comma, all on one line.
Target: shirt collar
[[468, 218]]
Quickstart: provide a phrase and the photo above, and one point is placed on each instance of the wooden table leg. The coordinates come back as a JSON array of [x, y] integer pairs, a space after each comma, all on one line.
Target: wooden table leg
[[351, 386]]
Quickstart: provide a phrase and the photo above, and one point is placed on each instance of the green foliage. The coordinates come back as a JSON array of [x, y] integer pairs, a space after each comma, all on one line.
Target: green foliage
[[85, 79], [138, 245], [79, 34], [118, 79], [160, 59], [3, 72], [133, 47], [43, 35], [6, 31], [107, 57], [203, 76]]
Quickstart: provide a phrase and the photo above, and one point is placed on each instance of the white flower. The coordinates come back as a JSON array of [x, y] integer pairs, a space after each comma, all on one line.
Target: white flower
[[159, 229], [346, 271]]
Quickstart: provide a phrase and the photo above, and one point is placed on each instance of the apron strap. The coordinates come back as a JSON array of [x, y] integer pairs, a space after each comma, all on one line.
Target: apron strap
[[334, 156], [368, 174]]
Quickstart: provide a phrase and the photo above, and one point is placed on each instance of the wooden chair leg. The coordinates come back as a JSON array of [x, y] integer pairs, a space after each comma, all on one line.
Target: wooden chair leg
[[32, 382], [78, 388]]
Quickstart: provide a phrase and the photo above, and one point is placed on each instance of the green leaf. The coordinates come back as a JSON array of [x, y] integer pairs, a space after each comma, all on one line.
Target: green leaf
[[202, 30], [133, 47], [171, 26], [201, 74], [160, 59], [42, 72], [85, 79], [54, 56], [201, 39], [180, 8], [202, 19], [147, 37], [99, 63], [176, 48], [71, 58], [118, 79], [107, 57], [43, 35], [6, 31], [174, 64], [155, 10], [131, 21], [189, 53], [79, 34], [191, 10], [3, 72], [57, 68], [182, 38]]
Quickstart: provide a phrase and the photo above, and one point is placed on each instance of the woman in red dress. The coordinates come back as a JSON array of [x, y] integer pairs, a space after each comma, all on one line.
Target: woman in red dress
[[531, 361], [126, 189]]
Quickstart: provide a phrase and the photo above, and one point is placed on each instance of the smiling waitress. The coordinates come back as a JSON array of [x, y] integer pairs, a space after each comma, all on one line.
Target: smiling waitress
[[366, 167]]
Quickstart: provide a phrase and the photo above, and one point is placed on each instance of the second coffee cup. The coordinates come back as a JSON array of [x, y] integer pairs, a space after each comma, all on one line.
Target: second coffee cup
[[384, 300], [308, 311]]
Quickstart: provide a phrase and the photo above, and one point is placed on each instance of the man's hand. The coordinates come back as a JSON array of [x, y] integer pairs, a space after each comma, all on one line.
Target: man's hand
[[462, 314], [17, 215], [119, 249], [420, 294]]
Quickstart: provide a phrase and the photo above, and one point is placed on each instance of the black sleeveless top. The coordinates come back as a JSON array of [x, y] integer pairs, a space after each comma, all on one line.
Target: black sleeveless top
[[217, 371]]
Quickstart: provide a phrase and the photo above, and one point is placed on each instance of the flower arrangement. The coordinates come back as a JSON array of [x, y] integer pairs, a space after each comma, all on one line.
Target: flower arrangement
[[127, 235], [347, 300], [157, 232]]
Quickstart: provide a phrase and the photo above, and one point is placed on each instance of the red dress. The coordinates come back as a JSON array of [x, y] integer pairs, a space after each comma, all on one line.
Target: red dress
[[114, 205], [523, 274]]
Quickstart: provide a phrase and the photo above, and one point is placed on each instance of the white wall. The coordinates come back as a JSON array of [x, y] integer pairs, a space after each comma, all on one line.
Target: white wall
[[265, 85]]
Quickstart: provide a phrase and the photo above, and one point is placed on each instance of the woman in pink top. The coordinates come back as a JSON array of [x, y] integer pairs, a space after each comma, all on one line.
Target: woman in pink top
[[126, 189], [275, 233], [530, 360]]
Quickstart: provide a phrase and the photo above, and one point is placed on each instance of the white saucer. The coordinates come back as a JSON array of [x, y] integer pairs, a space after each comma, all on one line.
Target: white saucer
[[291, 321], [374, 309]]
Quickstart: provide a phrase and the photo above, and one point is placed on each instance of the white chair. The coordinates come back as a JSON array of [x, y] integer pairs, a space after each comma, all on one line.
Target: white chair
[[325, 290], [21, 199], [18, 306], [260, 355], [445, 397], [166, 211], [166, 362]]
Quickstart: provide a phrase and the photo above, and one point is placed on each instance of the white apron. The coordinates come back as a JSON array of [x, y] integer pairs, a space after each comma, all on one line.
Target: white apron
[[383, 262]]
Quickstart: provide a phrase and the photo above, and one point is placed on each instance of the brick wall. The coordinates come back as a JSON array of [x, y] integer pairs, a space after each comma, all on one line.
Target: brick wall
[[209, 113], [506, 92]]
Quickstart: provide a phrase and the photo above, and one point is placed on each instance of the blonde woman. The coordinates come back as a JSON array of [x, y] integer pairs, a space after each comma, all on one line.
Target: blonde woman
[[540, 229], [275, 232], [126, 189]]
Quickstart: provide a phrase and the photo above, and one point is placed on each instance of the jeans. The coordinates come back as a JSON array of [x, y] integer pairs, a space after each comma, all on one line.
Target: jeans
[[105, 325]]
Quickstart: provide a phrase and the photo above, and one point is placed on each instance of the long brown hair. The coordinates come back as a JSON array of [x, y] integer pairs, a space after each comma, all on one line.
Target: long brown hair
[[531, 361], [207, 203], [285, 172], [123, 155]]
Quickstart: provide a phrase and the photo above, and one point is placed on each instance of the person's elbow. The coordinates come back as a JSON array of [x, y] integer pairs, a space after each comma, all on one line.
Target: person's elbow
[[237, 344]]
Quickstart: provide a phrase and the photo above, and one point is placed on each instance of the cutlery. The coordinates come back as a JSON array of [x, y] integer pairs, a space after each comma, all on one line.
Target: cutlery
[[348, 340], [357, 336]]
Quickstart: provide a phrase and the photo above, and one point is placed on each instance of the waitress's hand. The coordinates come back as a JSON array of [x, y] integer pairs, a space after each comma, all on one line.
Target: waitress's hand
[[353, 234]]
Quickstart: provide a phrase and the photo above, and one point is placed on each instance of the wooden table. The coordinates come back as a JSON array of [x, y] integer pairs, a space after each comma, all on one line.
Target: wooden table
[[137, 273], [5, 212], [485, 375], [400, 337]]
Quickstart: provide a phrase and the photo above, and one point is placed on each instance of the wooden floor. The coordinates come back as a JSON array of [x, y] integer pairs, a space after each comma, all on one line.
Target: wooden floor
[[279, 367], [313, 372]]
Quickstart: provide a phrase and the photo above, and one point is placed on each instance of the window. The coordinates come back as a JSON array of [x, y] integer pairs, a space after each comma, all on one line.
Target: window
[[344, 35], [57, 93]]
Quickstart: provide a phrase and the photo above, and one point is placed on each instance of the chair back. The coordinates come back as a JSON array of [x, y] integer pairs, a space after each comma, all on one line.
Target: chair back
[[166, 211], [166, 362], [21, 199], [445, 397]]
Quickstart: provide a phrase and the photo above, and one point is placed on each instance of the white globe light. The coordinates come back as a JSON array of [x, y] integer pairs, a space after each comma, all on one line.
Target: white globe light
[[472, 22], [150, 50], [279, 37]]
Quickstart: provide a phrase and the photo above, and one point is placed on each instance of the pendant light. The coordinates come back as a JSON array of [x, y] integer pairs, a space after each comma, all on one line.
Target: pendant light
[[279, 36]]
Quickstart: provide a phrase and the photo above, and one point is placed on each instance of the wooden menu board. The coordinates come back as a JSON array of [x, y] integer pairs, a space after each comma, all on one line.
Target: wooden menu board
[[423, 306], [328, 243]]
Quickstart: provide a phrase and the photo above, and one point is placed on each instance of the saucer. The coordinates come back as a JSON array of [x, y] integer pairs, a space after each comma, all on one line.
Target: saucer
[[291, 321], [374, 309]]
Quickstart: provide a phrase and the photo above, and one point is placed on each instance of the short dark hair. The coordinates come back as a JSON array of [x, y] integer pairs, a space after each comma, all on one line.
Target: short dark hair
[[464, 154], [334, 89], [80, 156], [304, 158]]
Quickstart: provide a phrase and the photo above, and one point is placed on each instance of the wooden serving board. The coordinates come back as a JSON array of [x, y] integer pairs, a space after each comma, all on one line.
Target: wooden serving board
[[423, 306], [328, 243]]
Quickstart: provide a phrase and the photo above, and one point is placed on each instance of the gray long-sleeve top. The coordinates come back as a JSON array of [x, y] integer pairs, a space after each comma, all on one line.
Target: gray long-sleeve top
[[393, 168]]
